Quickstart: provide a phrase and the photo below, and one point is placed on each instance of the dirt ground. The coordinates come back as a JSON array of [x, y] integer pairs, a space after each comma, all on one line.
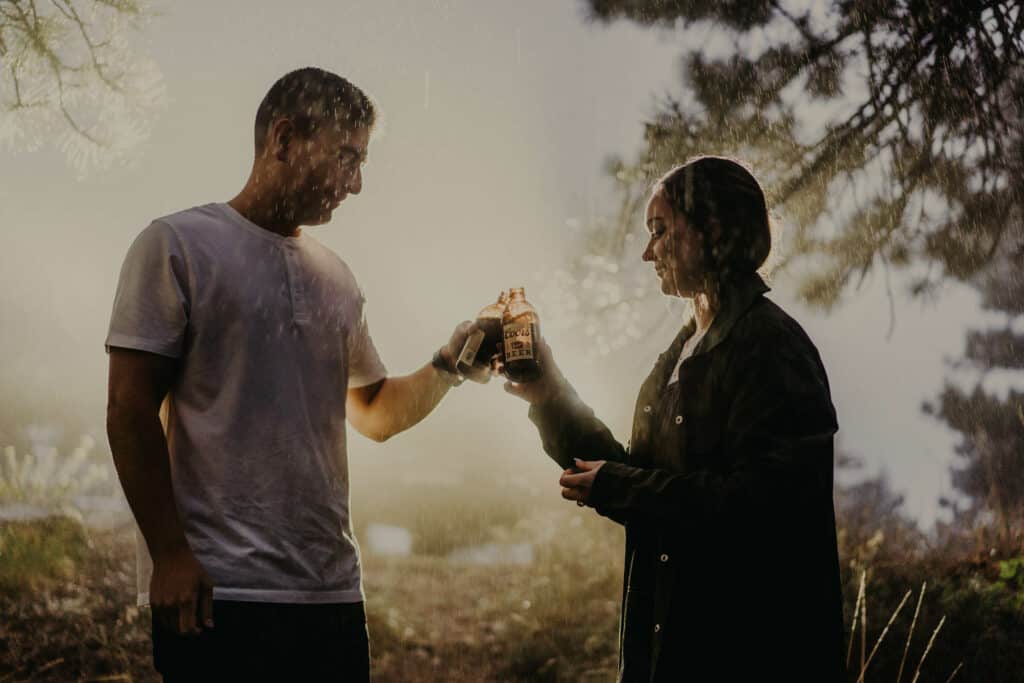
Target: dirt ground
[[429, 620]]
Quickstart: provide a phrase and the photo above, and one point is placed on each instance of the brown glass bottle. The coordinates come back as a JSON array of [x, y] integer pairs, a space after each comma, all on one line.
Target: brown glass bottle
[[520, 333], [482, 345]]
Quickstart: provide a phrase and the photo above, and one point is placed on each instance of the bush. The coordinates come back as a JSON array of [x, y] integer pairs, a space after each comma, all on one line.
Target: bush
[[36, 554], [972, 610]]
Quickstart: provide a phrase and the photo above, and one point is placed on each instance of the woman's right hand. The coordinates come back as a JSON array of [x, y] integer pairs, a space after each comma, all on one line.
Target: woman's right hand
[[549, 385]]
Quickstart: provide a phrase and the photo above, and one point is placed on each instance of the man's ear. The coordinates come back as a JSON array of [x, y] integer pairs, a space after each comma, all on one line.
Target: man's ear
[[281, 136]]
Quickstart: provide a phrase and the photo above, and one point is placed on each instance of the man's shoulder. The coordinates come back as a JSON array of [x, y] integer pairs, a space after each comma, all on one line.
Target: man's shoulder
[[194, 221]]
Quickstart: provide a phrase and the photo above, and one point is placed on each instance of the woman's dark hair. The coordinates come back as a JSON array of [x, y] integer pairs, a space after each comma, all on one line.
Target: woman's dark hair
[[309, 96], [711, 189]]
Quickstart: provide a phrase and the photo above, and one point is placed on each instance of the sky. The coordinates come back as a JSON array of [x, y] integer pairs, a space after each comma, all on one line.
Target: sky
[[497, 118]]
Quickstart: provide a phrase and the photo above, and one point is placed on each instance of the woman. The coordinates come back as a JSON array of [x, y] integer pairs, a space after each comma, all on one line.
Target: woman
[[725, 488]]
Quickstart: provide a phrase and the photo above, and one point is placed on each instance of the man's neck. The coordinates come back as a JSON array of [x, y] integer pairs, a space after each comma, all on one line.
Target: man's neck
[[262, 210]]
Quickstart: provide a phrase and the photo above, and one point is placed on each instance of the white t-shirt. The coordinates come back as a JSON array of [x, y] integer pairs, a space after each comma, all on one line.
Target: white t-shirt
[[271, 333], [689, 346]]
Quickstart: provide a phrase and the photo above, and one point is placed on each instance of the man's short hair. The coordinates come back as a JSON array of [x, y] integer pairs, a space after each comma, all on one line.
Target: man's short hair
[[308, 97]]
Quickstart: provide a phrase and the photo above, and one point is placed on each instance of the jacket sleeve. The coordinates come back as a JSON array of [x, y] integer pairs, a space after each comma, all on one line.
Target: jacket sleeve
[[779, 428], [568, 429]]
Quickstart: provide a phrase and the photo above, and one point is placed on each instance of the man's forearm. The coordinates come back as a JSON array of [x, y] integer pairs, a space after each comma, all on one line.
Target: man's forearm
[[403, 402], [141, 458]]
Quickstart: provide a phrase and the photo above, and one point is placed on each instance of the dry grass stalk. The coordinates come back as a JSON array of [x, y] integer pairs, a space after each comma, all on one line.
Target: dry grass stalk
[[910, 634], [882, 635], [955, 672], [856, 613], [50, 665], [863, 630], [931, 641]]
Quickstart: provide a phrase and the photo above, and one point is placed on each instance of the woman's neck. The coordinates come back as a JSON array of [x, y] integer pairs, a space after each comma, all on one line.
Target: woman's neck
[[705, 306]]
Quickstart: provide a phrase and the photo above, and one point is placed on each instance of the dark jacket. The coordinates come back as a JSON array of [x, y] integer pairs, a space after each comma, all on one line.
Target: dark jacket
[[732, 571]]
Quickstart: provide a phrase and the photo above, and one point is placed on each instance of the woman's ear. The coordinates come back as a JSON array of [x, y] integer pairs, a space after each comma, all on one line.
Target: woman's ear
[[715, 231]]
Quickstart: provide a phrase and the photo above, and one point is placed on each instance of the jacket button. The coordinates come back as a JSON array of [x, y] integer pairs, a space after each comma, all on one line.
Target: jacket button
[[664, 557], [657, 628], [647, 409], [679, 419]]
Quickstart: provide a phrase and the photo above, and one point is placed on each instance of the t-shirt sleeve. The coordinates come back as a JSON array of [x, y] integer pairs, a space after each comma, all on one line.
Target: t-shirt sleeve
[[364, 363], [151, 306]]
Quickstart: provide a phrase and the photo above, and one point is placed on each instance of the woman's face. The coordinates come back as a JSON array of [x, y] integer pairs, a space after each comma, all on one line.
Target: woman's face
[[676, 250]]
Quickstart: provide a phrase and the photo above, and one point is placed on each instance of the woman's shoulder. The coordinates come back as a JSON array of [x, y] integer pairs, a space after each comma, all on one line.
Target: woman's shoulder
[[767, 325], [771, 344]]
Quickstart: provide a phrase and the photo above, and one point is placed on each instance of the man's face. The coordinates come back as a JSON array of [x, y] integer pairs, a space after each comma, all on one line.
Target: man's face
[[323, 169]]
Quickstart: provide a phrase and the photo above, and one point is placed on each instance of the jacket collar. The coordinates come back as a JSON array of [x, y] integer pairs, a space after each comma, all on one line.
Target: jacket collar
[[738, 295]]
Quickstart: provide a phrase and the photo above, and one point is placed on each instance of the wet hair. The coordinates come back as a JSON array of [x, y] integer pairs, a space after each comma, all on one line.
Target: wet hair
[[711, 189], [307, 97]]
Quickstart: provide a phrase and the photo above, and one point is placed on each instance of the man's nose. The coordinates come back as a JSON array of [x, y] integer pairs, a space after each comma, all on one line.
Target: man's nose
[[354, 185]]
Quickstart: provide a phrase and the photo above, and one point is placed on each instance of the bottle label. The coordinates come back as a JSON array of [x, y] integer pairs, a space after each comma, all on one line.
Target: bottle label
[[518, 344], [471, 348]]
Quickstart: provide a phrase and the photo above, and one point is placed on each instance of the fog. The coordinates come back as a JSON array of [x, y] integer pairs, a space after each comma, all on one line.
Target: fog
[[497, 118]]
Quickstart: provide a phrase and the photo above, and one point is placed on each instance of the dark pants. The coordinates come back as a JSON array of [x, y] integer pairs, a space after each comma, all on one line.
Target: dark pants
[[269, 642]]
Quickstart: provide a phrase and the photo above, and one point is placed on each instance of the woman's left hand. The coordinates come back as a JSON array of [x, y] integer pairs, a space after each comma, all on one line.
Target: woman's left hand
[[576, 484]]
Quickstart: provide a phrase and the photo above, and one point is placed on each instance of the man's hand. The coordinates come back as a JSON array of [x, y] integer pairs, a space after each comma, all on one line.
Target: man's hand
[[576, 485], [180, 593], [551, 382], [393, 404], [450, 352]]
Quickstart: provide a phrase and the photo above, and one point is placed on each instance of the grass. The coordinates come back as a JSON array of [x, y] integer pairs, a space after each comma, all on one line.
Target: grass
[[966, 624], [35, 555], [67, 610]]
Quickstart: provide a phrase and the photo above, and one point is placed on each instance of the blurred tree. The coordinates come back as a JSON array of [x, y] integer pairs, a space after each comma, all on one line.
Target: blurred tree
[[887, 133], [873, 527], [68, 77], [990, 474]]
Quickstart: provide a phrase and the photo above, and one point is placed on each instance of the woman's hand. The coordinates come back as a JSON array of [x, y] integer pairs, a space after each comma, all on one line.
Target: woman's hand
[[549, 385], [576, 484]]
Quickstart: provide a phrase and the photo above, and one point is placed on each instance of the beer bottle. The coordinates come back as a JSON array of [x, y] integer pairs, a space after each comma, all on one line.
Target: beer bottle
[[520, 334], [482, 345]]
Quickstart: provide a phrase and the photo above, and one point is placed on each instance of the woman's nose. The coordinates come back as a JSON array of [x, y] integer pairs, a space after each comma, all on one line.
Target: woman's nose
[[648, 254]]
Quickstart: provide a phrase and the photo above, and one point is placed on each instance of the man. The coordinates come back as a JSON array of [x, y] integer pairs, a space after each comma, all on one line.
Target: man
[[256, 336]]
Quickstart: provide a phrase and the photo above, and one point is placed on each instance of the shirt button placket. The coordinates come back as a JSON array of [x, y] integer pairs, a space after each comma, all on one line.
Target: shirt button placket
[[295, 284]]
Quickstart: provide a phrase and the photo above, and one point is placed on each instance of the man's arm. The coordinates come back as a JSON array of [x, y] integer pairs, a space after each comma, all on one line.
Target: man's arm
[[392, 405], [380, 410], [138, 383]]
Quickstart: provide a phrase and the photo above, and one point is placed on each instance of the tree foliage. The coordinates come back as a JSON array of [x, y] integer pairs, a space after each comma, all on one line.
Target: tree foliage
[[69, 77], [872, 524], [989, 474], [887, 133]]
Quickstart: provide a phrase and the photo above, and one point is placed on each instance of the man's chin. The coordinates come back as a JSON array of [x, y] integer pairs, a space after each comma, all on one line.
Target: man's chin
[[322, 218]]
